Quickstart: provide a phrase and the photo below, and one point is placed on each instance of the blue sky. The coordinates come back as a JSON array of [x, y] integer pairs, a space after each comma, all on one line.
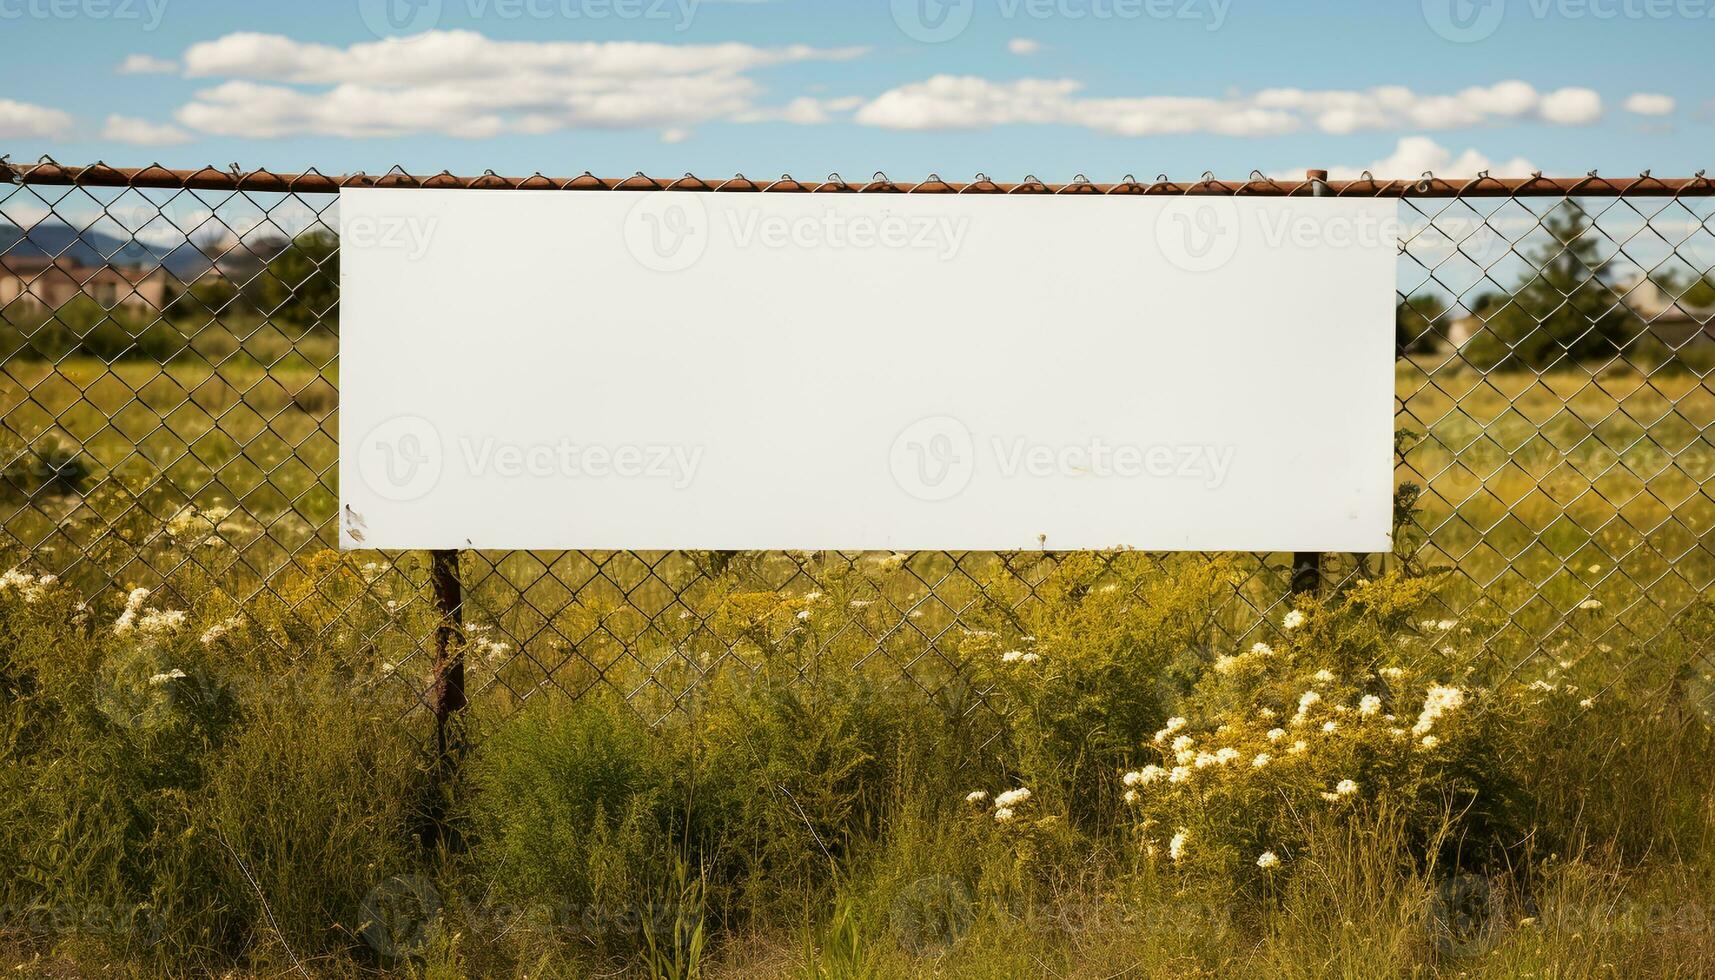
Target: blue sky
[[1045, 87]]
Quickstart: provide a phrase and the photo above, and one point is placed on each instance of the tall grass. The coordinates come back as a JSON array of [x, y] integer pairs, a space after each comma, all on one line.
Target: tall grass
[[192, 788]]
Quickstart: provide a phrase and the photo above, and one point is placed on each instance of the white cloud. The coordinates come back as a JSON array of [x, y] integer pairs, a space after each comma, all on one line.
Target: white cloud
[[1650, 104], [803, 111], [22, 119], [459, 83], [675, 135], [126, 129], [1572, 107], [1023, 46], [144, 64], [969, 102], [1415, 155]]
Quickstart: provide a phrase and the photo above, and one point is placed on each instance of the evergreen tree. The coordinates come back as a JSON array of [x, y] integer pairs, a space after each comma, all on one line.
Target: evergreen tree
[[1562, 310]]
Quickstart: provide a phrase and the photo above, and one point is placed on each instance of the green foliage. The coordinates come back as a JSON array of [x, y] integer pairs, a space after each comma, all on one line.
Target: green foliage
[[569, 809], [1563, 309], [235, 789], [1420, 323], [300, 287]]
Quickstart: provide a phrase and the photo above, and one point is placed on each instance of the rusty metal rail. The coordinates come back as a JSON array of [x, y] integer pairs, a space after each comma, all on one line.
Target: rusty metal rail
[[1258, 185]]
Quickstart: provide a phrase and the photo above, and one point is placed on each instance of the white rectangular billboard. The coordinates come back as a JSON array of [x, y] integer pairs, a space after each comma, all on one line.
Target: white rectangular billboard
[[665, 370]]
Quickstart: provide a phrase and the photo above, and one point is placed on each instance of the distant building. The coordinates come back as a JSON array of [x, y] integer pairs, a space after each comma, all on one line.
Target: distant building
[[51, 283], [1674, 322]]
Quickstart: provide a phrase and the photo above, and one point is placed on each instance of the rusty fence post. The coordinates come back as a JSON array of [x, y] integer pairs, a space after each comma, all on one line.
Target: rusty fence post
[[447, 695], [1307, 565]]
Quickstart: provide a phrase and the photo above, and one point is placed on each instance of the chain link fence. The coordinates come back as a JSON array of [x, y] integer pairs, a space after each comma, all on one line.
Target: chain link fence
[[169, 418]]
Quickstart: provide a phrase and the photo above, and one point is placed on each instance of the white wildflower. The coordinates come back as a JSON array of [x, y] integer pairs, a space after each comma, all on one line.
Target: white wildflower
[[1227, 755], [1176, 846], [1131, 796], [133, 605], [1293, 620], [158, 623], [1012, 797], [1225, 664], [1587, 703], [1391, 673], [1298, 748], [976, 796], [1276, 734], [1002, 814], [1262, 649], [1012, 656], [1182, 743], [1262, 759], [1328, 727], [166, 678], [214, 634], [1179, 774], [1369, 706], [1268, 860], [1324, 676], [1430, 741], [1205, 759], [1346, 787], [1437, 702], [1032, 658]]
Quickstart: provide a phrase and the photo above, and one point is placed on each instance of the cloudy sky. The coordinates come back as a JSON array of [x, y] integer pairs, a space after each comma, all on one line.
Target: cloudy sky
[[1006, 87]]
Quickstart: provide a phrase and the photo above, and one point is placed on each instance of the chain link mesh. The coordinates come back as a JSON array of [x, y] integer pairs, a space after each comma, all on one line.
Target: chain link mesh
[[169, 404]]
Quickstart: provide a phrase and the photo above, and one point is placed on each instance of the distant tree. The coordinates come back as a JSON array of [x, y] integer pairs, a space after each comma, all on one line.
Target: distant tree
[[1688, 289], [300, 286], [1420, 323], [1563, 309]]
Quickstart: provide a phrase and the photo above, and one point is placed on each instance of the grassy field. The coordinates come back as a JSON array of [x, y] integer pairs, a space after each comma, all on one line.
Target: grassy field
[[1109, 784], [1543, 491], [700, 764]]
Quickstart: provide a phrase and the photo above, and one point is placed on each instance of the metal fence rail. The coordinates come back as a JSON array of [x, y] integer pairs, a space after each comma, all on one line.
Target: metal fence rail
[[169, 407]]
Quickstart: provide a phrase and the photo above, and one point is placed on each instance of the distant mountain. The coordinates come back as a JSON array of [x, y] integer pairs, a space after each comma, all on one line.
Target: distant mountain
[[93, 248]]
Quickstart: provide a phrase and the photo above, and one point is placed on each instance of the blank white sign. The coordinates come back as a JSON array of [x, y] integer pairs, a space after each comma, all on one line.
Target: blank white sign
[[662, 370]]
